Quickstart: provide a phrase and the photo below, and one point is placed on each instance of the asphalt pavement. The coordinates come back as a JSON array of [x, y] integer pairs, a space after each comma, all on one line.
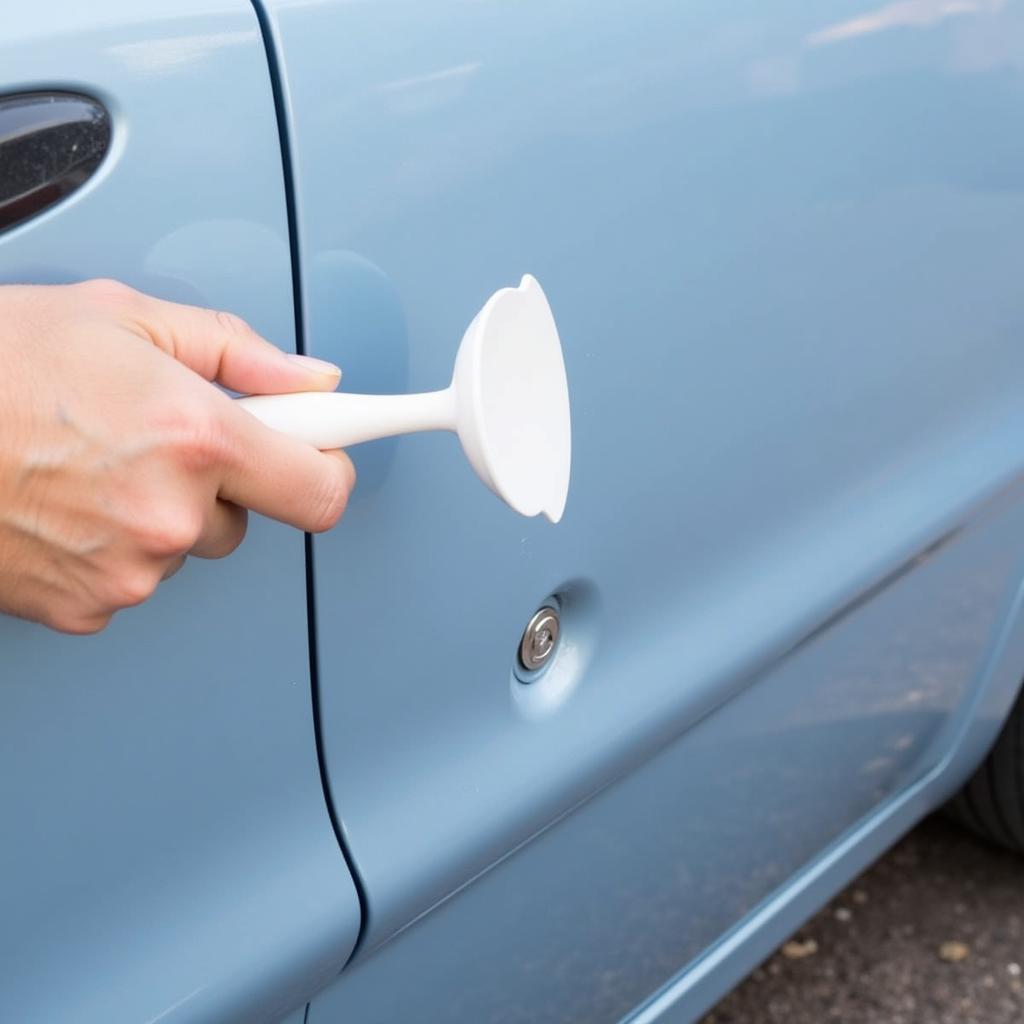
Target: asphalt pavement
[[932, 934]]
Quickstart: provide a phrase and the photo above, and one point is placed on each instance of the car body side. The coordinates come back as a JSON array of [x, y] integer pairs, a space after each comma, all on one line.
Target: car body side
[[781, 243]]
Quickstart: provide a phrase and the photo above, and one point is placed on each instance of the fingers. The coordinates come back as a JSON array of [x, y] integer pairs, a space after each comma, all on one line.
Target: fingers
[[285, 479], [223, 347], [256, 467], [223, 530], [267, 472]]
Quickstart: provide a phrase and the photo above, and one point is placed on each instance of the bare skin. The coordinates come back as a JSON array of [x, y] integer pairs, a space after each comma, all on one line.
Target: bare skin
[[118, 457]]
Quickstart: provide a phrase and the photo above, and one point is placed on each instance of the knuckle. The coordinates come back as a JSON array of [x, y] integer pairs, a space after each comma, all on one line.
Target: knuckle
[[107, 290], [76, 623], [131, 587], [167, 536], [195, 435], [231, 323]]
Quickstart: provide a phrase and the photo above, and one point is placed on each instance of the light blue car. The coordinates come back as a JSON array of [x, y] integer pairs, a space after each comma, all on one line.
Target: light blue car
[[783, 243]]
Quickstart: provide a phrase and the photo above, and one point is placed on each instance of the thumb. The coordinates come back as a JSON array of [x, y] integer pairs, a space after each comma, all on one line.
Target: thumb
[[222, 347]]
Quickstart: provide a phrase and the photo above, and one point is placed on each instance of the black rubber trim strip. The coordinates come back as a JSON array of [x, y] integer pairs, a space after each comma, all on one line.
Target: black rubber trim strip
[[281, 109]]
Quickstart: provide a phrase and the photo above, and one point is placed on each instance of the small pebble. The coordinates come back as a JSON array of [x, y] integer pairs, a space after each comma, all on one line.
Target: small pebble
[[797, 950], [953, 952], [843, 914], [860, 896], [1013, 970]]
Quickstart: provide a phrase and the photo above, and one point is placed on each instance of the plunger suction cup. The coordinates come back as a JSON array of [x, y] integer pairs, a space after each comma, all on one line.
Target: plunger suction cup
[[508, 401]]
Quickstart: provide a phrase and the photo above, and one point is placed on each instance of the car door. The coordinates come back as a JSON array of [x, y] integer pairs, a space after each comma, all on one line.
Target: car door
[[165, 849], [779, 242]]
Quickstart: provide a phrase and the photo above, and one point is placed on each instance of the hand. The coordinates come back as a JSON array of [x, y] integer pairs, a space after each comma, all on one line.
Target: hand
[[118, 457]]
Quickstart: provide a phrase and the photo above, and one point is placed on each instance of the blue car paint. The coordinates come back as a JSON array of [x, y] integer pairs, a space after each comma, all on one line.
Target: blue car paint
[[166, 849], [698, 986], [781, 242], [725, 825]]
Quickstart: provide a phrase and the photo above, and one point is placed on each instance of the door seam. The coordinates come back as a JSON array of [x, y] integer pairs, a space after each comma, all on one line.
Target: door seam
[[275, 65]]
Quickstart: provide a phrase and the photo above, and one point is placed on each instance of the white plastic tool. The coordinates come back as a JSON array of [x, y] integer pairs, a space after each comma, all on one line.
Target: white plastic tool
[[508, 402]]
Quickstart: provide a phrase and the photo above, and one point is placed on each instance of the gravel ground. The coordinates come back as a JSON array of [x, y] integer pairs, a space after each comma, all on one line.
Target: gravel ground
[[932, 934]]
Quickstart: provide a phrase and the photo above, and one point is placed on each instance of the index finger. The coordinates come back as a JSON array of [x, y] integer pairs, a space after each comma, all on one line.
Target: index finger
[[285, 479], [223, 347]]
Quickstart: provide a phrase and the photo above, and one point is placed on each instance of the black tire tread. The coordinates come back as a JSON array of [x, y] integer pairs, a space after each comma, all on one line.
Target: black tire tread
[[991, 803]]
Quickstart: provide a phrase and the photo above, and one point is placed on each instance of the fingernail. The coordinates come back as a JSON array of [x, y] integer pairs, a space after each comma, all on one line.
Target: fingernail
[[316, 365]]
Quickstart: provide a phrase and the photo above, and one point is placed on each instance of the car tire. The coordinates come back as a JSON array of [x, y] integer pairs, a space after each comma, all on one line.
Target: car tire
[[992, 802]]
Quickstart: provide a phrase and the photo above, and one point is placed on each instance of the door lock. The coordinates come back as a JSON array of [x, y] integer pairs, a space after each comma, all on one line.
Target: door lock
[[539, 639]]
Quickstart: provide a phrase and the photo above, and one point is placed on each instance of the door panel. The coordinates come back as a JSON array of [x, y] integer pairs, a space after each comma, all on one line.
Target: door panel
[[167, 852], [583, 923], [782, 245]]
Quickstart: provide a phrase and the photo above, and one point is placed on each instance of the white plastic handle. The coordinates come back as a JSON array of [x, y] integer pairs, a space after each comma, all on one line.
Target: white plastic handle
[[337, 420], [508, 402]]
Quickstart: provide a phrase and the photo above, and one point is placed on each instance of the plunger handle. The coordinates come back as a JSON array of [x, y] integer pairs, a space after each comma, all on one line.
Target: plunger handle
[[337, 420]]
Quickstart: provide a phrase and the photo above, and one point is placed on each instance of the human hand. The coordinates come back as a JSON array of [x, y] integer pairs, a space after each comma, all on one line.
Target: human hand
[[118, 458]]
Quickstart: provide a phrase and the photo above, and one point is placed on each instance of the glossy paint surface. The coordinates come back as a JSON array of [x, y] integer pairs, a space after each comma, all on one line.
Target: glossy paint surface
[[782, 245], [584, 922], [166, 851]]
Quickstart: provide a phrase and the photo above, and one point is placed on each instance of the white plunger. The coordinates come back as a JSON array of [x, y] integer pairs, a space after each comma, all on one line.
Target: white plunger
[[508, 402]]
